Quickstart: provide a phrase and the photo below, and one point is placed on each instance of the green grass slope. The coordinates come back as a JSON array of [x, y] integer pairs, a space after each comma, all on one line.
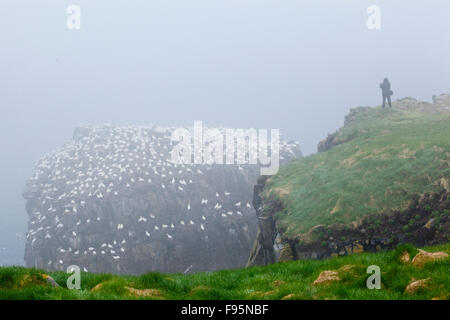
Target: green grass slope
[[377, 161], [288, 280]]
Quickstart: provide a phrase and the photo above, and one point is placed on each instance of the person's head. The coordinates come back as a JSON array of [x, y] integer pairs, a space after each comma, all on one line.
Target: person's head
[[386, 80]]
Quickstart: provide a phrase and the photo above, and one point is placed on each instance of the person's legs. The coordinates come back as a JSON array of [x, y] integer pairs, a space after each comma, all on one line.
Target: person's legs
[[384, 100], [389, 100]]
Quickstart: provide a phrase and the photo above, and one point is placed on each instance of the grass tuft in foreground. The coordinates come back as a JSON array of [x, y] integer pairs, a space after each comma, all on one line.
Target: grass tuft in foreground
[[289, 280]]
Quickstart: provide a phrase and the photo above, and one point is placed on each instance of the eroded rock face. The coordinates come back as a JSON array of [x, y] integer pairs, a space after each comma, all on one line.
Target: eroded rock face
[[112, 201]]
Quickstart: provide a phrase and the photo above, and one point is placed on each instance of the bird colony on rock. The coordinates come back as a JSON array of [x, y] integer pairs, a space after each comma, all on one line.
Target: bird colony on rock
[[112, 201]]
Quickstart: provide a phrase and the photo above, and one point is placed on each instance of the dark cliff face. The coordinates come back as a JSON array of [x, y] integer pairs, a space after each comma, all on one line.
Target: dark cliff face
[[425, 222], [110, 201], [263, 252]]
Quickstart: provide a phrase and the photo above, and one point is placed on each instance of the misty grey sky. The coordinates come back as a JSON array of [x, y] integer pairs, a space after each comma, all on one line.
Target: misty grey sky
[[294, 65]]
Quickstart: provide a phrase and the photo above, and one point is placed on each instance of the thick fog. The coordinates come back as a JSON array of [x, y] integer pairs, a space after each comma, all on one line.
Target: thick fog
[[293, 65]]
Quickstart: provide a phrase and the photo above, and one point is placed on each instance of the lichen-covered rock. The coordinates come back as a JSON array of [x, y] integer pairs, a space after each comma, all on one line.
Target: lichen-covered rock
[[113, 201], [146, 293], [415, 285], [424, 257], [326, 277], [405, 257]]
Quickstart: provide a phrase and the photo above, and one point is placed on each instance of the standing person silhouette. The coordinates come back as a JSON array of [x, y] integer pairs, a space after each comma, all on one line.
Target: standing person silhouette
[[386, 91]]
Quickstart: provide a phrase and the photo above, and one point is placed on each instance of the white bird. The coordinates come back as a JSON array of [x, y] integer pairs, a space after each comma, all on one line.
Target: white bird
[[204, 201], [142, 219], [119, 226], [169, 236], [156, 228], [147, 233]]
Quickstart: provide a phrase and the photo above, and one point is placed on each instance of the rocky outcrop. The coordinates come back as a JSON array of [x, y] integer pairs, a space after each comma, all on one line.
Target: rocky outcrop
[[263, 252], [385, 231], [416, 285], [326, 277], [424, 257], [424, 218], [440, 105], [113, 201]]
